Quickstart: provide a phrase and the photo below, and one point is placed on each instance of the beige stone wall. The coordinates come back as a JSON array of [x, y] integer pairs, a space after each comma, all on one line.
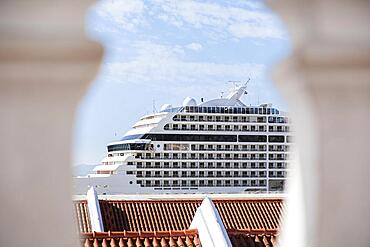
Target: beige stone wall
[[46, 64], [326, 81]]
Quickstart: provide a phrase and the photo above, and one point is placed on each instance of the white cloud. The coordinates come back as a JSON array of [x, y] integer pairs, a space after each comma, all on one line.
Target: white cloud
[[218, 19], [242, 20], [194, 46], [126, 14], [244, 30], [162, 66]]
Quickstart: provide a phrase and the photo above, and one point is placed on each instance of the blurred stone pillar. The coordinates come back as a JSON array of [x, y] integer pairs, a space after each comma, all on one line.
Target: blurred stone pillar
[[326, 81], [46, 64]]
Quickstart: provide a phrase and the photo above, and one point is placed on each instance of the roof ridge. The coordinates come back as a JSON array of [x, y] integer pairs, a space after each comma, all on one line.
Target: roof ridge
[[139, 234], [252, 232], [186, 200]]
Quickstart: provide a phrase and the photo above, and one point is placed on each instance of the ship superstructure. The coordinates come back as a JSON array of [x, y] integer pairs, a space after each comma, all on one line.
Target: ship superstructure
[[217, 146]]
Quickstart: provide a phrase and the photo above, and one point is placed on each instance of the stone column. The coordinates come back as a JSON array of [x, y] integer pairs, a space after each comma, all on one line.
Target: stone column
[[326, 81], [46, 64]]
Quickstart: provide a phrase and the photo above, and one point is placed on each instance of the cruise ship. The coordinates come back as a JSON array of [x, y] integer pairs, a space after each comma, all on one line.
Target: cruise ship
[[215, 146]]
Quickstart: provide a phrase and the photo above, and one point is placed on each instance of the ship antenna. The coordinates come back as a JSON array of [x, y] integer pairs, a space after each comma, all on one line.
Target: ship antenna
[[154, 108], [245, 84]]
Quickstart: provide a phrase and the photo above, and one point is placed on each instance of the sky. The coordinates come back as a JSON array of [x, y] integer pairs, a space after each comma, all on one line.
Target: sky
[[162, 51]]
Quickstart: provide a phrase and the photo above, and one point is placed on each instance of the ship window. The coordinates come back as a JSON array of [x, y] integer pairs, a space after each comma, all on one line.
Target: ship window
[[276, 138], [252, 138]]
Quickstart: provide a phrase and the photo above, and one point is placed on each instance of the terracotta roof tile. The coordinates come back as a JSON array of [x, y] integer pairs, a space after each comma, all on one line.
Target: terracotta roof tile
[[185, 238], [166, 215], [253, 238], [82, 216]]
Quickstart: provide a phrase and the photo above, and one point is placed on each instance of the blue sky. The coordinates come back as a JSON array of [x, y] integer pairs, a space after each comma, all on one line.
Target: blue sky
[[162, 51]]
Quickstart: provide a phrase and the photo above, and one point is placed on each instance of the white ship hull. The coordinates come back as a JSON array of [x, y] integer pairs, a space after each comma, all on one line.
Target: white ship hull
[[118, 184]]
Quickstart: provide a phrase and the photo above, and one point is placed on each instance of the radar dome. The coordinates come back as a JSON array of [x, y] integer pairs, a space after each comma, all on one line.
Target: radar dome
[[189, 102], [166, 107]]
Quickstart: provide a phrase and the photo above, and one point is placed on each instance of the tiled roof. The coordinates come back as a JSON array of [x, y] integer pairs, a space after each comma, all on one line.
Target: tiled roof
[[82, 216], [166, 215], [187, 238]]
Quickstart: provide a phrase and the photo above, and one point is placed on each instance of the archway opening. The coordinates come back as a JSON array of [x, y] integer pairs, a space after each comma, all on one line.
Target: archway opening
[[157, 55]]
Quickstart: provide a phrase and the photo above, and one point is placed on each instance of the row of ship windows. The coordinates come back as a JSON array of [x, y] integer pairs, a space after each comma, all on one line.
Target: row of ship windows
[[221, 147], [212, 156], [235, 119], [273, 185], [231, 110], [197, 147], [209, 174], [209, 165], [213, 138], [219, 127], [202, 183]]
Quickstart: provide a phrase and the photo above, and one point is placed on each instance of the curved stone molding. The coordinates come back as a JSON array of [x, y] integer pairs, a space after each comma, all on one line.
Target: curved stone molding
[[46, 64], [326, 81]]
